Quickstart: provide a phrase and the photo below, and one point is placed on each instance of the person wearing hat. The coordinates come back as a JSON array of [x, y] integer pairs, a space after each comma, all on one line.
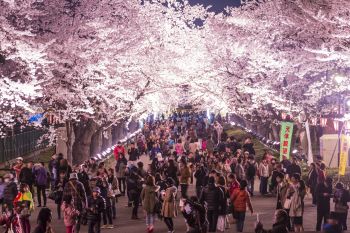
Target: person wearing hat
[[169, 206], [76, 189], [133, 152], [96, 206]]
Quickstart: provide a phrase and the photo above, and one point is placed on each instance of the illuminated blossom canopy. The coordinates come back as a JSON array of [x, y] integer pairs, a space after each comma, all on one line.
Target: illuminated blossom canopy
[[114, 59]]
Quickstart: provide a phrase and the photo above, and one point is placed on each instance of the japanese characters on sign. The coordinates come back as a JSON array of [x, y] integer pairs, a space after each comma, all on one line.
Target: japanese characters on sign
[[286, 139], [344, 148]]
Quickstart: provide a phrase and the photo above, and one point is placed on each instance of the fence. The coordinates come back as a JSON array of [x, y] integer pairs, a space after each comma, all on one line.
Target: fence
[[21, 144]]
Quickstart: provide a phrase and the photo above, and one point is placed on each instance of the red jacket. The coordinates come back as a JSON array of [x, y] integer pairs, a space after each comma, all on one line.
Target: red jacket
[[117, 150]]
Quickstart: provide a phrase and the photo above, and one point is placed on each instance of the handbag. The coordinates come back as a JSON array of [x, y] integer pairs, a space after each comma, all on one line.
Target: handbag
[[287, 204], [221, 223]]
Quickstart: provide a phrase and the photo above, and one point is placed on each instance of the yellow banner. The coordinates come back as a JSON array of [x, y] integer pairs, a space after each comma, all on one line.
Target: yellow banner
[[344, 150]]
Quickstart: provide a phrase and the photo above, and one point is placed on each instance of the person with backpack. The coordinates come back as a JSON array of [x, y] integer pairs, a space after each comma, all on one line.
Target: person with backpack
[[241, 199], [76, 189], [251, 169]]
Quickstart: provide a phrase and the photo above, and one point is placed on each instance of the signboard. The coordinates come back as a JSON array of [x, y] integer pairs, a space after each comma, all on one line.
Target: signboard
[[344, 149], [286, 139]]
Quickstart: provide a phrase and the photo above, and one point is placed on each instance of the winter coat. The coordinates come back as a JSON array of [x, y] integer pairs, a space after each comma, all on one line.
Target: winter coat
[[95, 208], [133, 154], [149, 198], [10, 192], [77, 191], [117, 151], [40, 176], [240, 199], [297, 201], [282, 191], [69, 214], [201, 177], [24, 200], [212, 195], [322, 201], [26, 176], [120, 167], [240, 173], [312, 179], [169, 207], [185, 175]]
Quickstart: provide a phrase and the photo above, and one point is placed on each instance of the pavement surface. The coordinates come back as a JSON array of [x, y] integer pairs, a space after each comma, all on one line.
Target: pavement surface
[[264, 206]]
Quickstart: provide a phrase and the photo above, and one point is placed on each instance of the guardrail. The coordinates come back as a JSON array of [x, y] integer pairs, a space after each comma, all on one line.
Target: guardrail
[[21, 144]]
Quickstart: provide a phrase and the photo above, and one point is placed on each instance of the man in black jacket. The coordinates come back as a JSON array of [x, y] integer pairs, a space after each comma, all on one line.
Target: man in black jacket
[[323, 196], [96, 206], [26, 176], [133, 152], [211, 196], [201, 175], [196, 216]]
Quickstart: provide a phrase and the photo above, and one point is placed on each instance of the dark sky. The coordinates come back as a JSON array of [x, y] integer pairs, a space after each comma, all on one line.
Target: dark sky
[[217, 5]]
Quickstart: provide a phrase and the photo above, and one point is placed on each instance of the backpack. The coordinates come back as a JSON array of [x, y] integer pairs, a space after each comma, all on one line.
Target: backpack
[[251, 170]]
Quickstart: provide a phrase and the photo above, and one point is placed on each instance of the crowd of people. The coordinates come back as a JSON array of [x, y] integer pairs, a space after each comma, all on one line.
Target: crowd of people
[[184, 149]]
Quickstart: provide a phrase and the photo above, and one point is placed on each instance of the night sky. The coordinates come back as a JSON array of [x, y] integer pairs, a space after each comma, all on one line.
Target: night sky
[[217, 5]]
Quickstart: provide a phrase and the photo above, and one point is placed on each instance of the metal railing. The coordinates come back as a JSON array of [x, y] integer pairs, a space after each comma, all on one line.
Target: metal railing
[[21, 144]]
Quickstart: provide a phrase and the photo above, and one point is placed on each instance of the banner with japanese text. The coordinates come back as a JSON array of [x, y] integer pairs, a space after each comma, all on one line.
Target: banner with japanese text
[[286, 139], [344, 150]]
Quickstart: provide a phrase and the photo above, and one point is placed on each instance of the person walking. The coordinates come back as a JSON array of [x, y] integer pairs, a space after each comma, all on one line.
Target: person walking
[[10, 192], [25, 203], [149, 202], [43, 221], [312, 182], [211, 196], [323, 193], [185, 176], [26, 176], [120, 169], [296, 194], [264, 176], [169, 207], [241, 200], [133, 152], [96, 206], [134, 189], [341, 208], [70, 214], [251, 169], [40, 175], [76, 189], [195, 215]]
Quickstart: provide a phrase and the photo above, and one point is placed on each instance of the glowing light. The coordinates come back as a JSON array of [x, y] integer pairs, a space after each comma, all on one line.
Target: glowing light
[[339, 78]]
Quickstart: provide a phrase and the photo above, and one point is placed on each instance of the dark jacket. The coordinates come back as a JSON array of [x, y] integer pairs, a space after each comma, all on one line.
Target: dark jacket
[[77, 191], [10, 192], [212, 195], [40, 174], [26, 176], [197, 218], [322, 201], [83, 177], [201, 177], [95, 208], [249, 147], [293, 168], [133, 154]]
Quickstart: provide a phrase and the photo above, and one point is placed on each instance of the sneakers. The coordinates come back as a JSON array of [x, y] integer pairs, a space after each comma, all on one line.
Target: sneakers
[[104, 227]]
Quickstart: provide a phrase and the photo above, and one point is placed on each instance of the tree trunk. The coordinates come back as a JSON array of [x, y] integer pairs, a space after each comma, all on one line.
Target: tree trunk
[[107, 138], [69, 141], [83, 131], [96, 143]]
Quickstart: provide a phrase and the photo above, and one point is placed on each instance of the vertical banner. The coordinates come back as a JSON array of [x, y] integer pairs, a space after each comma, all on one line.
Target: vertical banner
[[286, 139], [310, 156], [344, 148]]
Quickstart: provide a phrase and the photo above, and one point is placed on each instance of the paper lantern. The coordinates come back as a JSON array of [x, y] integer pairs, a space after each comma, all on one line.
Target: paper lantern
[[336, 125], [323, 122], [314, 121]]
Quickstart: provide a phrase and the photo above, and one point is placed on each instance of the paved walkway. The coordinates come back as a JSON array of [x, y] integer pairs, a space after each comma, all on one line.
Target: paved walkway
[[264, 206]]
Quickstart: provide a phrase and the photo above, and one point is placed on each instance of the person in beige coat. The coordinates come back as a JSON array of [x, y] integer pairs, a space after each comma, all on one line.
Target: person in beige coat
[[169, 207], [149, 199]]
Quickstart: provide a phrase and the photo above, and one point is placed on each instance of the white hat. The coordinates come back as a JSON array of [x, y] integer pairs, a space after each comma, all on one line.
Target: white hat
[[20, 158]]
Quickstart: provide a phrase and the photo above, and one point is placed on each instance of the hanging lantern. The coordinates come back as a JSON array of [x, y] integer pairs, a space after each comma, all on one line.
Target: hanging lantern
[[283, 115], [314, 121], [323, 122], [336, 125]]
